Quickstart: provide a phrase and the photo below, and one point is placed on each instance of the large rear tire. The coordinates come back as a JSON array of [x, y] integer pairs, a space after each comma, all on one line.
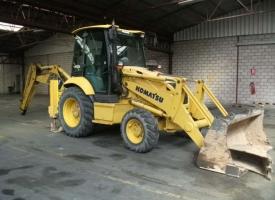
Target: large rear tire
[[139, 130], [76, 113]]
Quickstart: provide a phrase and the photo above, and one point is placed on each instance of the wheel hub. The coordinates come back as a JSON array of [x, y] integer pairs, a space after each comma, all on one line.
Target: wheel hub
[[71, 112], [135, 131], [76, 111]]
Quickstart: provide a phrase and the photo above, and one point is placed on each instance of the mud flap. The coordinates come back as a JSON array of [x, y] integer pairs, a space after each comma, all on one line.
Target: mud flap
[[239, 145]]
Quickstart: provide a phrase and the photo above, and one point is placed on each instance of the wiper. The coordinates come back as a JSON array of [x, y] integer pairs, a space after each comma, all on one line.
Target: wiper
[[85, 49]]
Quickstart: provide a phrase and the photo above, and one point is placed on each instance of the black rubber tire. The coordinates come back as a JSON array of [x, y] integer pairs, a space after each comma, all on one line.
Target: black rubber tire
[[85, 126], [150, 126]]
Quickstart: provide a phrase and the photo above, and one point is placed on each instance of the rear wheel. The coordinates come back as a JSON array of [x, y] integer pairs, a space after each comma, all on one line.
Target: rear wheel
[[76, 113], [139, 130]]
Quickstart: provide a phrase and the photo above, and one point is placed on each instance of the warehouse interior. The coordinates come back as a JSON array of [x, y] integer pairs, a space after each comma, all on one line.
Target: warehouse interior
[[230, 44]]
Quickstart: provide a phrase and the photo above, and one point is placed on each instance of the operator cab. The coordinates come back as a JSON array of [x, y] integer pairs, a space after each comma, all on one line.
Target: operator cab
[[98, 50]]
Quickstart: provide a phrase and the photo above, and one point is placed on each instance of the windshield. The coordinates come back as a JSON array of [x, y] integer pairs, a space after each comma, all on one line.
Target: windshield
[[130, 50]]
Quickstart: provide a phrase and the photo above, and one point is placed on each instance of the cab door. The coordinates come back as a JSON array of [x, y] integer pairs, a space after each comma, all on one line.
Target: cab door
[[90, 58]]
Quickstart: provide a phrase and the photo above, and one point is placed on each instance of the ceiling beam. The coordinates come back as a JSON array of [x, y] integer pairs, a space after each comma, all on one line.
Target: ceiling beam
[[82, 16], [214, 5], [12, 12], [63, 9], [166, 15]]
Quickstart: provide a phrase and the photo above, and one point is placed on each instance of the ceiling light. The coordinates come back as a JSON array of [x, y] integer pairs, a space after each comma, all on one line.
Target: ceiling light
[[10, 27]]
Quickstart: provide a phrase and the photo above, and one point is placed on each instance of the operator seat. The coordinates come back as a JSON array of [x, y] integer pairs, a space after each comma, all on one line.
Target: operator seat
[[94, 72]]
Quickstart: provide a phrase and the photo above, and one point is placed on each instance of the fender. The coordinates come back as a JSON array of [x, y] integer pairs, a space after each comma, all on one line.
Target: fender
[[82, 83]]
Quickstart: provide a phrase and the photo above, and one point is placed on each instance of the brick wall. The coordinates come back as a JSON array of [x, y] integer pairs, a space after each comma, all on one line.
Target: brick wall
[[161, 58], [59, 50], [262, 58], [212, 60], [215, 61]]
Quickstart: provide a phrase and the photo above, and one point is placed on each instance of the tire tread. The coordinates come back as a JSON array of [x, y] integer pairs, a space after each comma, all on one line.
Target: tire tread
[[151, 133], [86, 126]]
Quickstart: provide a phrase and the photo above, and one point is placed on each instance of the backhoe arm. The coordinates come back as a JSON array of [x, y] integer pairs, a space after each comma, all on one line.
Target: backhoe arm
[[40, 74]]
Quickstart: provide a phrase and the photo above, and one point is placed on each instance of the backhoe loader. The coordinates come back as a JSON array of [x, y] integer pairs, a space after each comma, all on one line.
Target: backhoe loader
[[111, 84]]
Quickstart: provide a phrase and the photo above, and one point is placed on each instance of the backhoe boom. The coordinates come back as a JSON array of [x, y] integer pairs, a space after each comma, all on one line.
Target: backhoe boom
[[40, 74]]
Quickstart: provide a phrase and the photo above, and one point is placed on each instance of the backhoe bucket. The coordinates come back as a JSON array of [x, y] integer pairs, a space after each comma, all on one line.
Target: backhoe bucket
[[236, 146]]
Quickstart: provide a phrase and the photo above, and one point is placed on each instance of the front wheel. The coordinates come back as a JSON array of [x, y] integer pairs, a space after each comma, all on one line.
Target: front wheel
[[139, 130], [76, 113]]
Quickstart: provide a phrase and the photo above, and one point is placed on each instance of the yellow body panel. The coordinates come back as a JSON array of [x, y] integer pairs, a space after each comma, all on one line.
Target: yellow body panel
[[82, 83], [165, 124], [111, 113]]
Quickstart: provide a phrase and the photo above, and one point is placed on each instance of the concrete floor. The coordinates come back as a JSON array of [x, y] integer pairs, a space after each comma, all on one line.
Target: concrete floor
[[36, 164]]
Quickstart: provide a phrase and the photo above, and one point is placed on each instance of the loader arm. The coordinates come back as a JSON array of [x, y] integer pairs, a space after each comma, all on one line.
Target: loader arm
[[171, 98], [40, 74]]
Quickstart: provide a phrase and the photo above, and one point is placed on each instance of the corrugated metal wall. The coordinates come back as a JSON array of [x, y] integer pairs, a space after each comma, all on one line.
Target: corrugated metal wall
[[246, 25]]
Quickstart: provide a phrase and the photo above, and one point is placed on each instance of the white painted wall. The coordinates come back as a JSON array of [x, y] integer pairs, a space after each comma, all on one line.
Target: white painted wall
[[8, 74]]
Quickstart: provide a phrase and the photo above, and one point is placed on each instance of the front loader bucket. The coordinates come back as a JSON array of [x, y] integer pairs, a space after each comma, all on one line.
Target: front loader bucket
[[236, 146]]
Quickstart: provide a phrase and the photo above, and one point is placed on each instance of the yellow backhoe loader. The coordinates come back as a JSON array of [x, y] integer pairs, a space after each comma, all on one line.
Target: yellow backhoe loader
[[111, 84]]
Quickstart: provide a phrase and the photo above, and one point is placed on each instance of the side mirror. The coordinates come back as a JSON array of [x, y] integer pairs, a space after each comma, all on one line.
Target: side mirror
[[152, 65]]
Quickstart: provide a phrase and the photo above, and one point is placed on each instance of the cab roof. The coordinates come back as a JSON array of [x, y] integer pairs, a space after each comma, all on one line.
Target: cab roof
[[107, 26]]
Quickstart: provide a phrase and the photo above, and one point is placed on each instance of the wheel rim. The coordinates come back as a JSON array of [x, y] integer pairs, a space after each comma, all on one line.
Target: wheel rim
[[134, 131], [71, 112]]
